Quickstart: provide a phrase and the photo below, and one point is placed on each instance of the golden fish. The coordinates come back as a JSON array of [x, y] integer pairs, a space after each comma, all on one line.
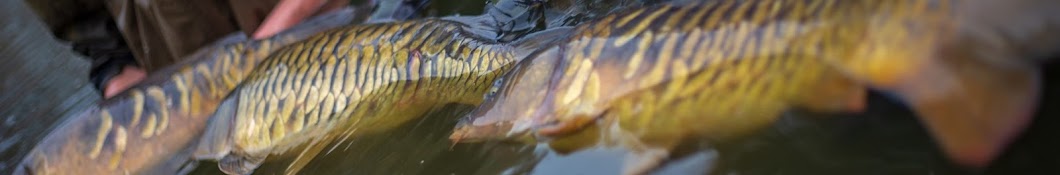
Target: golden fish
[[651, 77], [152, 127], [357, 80]]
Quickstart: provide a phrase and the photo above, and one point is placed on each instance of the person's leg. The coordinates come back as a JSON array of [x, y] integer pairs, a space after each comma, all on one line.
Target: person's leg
[[91, 31], [162, 32], [57, 14], [140, 32]]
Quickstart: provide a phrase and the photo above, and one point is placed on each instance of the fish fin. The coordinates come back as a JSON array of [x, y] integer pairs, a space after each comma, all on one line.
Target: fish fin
[[645, 157], [565, 126], [579, 140], [215, 141], [993, 78], [465, 132], [1026, 28], [645, 161], [240, 164], [986, 85], [973, 105], [835, 93], [188, 167], [180, 163], [307, 154], [539, 41]]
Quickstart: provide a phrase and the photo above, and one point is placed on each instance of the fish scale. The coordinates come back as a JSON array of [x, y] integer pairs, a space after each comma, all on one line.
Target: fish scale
[[388, 74], [732, 68], [968, 68], [147, 128]]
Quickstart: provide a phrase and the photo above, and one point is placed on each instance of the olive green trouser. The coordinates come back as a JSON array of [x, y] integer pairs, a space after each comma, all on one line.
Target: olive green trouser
[[161, 32]]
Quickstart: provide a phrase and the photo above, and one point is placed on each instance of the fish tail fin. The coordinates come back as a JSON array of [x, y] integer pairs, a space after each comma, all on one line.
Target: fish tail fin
[[983, 86], [974, 107], [1024, 28], [975, 84]]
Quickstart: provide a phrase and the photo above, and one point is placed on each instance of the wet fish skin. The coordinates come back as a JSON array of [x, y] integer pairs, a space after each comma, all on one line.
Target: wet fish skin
[[361, 79], [725, 68], [663, 77], [104, 138], [149, 128]]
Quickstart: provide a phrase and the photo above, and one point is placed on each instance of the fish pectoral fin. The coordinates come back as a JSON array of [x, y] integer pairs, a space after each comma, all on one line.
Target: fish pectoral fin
[[972, 107], [835, 93], [565, 126], [307, 154], [645, 161], [579, 140], [467, 132], [646, 152], [215, 141], [643, 157], [188, 167], [240, 164]]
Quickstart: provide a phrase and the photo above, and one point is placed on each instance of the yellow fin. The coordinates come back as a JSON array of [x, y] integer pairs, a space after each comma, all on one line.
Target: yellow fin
[[974, 107], [834, 92], [579, 140], [307, 154]]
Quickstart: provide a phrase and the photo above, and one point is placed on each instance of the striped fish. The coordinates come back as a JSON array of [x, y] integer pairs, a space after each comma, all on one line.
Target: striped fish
[[653, 76], [151, 128], [357, 80]]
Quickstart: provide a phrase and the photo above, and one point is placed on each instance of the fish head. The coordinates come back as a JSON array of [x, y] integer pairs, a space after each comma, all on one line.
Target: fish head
[[513, 102]]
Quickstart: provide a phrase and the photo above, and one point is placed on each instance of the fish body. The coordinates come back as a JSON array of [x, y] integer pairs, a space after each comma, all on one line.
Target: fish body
[[662, 77], [151, 128], [721, 69], [361, 79]]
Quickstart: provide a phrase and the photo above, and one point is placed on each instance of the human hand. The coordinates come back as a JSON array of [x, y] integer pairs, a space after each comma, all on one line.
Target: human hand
[[287, 13], [129, 76]]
